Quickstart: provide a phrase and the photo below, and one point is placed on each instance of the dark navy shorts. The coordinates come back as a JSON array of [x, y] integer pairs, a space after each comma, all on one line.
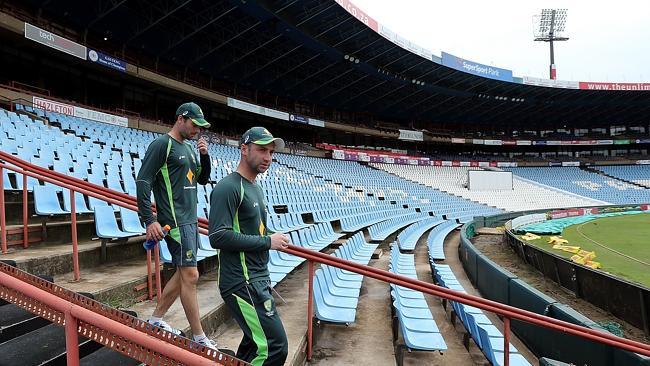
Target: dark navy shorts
[[183, 243]]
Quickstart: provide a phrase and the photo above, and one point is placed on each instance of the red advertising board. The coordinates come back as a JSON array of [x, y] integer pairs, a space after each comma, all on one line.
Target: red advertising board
[[359, 14]]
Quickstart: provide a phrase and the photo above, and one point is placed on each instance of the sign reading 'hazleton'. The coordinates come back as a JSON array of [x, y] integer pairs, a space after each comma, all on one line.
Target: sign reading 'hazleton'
[[50, 39]]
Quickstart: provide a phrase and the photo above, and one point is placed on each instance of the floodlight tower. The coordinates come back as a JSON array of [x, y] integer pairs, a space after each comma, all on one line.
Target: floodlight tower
[[552, 23]]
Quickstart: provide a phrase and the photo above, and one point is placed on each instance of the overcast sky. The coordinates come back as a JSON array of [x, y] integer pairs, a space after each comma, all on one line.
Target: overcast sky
[[608, 40]]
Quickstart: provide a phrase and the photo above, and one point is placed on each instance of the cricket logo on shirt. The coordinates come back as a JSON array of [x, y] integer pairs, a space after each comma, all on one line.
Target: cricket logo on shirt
[[189, 254], [190, 176]]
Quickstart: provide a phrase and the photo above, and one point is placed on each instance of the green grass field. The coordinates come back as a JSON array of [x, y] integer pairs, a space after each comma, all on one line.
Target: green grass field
[[628, 237]]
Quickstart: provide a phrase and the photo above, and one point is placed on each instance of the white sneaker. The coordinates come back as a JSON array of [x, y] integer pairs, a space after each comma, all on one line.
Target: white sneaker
[[207, 342], [163, 324]]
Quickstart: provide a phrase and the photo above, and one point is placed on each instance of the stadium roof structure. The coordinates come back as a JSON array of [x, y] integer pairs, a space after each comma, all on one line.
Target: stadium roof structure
[[315, 51]]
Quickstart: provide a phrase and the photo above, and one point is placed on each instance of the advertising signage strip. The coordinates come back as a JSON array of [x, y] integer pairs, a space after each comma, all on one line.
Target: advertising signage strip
[[411, 135], [588, 85], [298, 118], [529, 80], [359, 14], [106, 60], [404, 43], [476, 68], [70, 110], [52, 40]]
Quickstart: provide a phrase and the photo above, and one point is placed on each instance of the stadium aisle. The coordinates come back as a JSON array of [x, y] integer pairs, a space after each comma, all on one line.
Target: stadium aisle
[[451, 254], [370, 337], [456, 354]]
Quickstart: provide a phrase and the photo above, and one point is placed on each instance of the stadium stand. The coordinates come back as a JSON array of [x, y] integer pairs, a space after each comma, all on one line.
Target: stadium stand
[[524, 196], [639, 174], [587, 184]]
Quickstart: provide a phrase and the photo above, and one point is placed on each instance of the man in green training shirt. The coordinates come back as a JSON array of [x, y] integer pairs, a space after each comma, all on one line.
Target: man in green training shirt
[[170, 169], [238, 230]]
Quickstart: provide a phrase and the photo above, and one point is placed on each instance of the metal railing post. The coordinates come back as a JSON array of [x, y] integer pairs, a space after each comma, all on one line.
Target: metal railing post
[[75, 245], [310, 311], [3, 224], [149, 280], [25, 217], [71, 339], [506, 341], [156, 256]]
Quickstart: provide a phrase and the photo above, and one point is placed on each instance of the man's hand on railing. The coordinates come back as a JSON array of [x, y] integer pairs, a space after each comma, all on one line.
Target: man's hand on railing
[[279, 241], [154, 231]]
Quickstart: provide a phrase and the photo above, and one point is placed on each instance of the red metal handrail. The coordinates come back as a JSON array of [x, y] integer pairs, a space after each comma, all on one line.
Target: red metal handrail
[[508, 312], [74, 312]]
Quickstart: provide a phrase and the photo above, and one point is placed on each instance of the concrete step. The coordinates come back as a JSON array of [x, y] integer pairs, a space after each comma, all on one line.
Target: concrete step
[[112, 284], [56, 259]]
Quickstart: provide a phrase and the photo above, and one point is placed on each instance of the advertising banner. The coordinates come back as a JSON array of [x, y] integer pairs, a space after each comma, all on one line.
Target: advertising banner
[[554, 163], [554, 142], [316, 122], [465, 163], [359, 14], [473, 163], [550, 83], [605, 142], [476, 68], [424, 162], [245, 106], [338, 154], [643, 162], [411, 135], [559, 214], [455, 163], [539, 143], [70, 110], [524, 142], [455, 140], [484, 164], [101, 117], [106, 60], [298, 118], [404, 43], [413, 161], [509, 142], [477, 141], [642, 141], [389, 160], [363, 157], [622, 142], [437, 163], [589, 85], [570, 163], [52, 40], [446, 163], [492, 142], [52, 106]]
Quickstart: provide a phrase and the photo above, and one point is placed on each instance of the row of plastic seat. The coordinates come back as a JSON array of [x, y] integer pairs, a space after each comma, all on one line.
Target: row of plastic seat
[[487, 337], [336, 291], [416, 324], [315, 237], [436, 239], [381, 230], [410, 236]]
